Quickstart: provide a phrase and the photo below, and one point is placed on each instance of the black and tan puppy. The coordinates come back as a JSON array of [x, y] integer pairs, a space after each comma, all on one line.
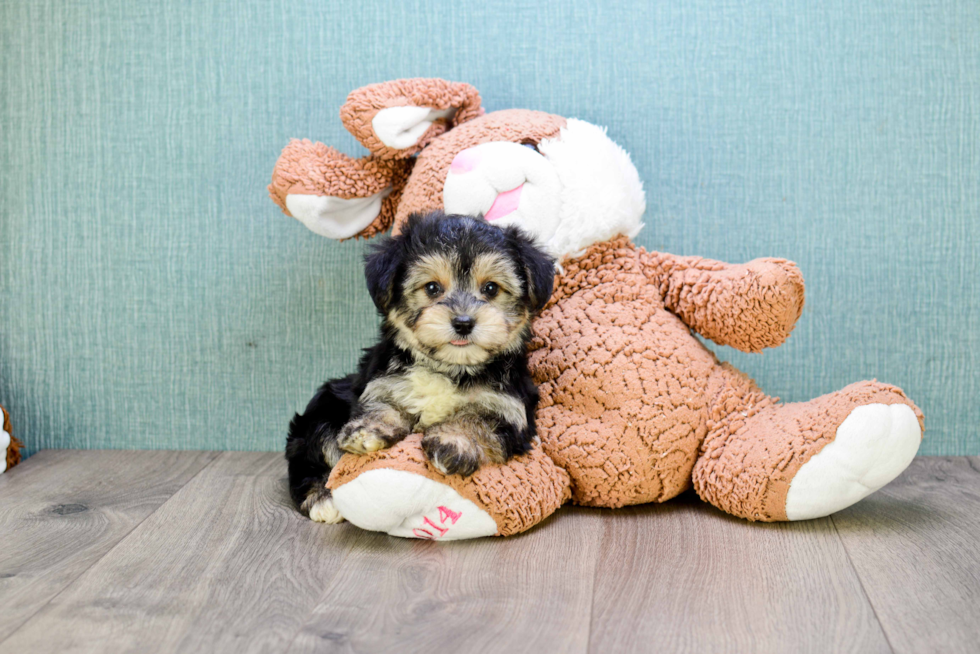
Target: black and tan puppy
[[457, 296]]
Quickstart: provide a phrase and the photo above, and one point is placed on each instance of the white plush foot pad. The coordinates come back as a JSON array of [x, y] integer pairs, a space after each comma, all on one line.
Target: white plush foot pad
[[407, 505], [874, 444]]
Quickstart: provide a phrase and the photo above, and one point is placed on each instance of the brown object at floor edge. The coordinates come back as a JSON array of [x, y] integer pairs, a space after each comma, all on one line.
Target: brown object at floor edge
[[12, 454]]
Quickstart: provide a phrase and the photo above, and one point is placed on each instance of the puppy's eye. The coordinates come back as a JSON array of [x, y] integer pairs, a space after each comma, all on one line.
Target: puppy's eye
[[490, 289], [432, 289]]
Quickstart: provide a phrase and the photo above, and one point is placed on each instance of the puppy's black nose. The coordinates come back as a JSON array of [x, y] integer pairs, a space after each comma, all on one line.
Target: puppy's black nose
[[463, 324]]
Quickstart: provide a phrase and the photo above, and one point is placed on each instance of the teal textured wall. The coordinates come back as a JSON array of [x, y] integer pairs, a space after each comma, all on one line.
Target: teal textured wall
[[152, 296]]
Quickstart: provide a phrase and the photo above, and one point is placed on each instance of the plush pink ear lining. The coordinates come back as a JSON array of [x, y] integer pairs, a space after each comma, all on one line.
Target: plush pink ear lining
[[517, 495], [364, 103]]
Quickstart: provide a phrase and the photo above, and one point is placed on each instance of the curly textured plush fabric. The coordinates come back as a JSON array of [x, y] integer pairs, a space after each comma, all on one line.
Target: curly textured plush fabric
[[633, 406], [363, 104], [423, 192], [13, 450], [307, 168], [626, 391], [517, 495], [747, 306]]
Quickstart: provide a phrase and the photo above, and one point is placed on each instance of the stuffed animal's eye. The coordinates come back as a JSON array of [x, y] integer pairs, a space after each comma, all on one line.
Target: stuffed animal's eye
[[490, 289], [432, 289]]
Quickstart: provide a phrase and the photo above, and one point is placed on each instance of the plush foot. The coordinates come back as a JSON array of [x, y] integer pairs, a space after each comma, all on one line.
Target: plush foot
[[873, 445], [411, 506], [397, 491]]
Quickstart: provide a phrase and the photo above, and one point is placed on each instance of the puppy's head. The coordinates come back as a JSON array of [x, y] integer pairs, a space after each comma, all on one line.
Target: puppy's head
[[458, 290]]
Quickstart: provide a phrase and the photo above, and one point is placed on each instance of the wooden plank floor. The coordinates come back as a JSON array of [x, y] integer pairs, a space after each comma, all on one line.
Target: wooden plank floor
[[202, 552]]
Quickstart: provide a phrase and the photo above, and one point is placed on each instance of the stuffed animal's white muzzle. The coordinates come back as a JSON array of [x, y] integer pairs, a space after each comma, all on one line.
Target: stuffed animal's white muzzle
[[574, 190], [506, 183]]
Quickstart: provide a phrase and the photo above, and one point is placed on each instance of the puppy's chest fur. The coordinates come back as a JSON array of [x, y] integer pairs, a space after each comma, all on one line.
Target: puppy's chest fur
[[431, 397]]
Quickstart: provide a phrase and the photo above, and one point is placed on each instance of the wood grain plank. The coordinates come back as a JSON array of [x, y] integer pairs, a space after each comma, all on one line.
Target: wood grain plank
[[916, 547], [684, 577], [63, 510], [226, 565], [528, 593]]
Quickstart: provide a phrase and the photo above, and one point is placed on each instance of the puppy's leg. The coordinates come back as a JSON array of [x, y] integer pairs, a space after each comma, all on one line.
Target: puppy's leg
[[461, 445], [311, 449], [312, 495], [377, 427]]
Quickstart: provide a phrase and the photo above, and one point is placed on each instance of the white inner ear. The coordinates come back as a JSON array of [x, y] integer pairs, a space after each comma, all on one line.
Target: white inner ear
[[335, 218], [402, 127]]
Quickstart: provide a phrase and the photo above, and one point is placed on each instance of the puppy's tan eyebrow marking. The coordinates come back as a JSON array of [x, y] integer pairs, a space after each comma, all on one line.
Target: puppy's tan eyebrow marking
[[494, 267], [430, 268]]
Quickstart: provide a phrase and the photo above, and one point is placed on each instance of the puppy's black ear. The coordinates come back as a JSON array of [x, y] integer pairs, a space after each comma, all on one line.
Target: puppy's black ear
[[538, 265], [381, 267], [415, 219]]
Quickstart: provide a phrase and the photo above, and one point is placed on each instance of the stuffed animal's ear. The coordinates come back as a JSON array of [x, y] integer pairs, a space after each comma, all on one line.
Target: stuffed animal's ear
[[538, 265], [334, 195], [381, 268], [394, 120]]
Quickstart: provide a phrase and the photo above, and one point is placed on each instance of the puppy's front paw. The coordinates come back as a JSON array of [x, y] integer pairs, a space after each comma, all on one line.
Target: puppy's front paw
[[359, 439], [452, 454], [319, 507], [365, 435], [325, 511]]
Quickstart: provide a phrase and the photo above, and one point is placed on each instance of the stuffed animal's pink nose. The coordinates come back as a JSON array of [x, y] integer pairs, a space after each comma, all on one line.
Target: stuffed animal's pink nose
[[465, 161]]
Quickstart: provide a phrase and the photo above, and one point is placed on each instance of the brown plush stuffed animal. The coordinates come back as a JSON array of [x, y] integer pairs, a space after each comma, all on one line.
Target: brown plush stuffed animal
[[634, 408], [9, 445]]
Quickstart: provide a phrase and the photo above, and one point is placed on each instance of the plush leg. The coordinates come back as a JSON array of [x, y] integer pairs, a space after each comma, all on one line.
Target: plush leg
[[608, 456], [770, 462]]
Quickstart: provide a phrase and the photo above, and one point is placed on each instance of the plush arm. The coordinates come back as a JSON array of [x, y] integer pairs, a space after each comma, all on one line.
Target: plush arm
[[748, 306]]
